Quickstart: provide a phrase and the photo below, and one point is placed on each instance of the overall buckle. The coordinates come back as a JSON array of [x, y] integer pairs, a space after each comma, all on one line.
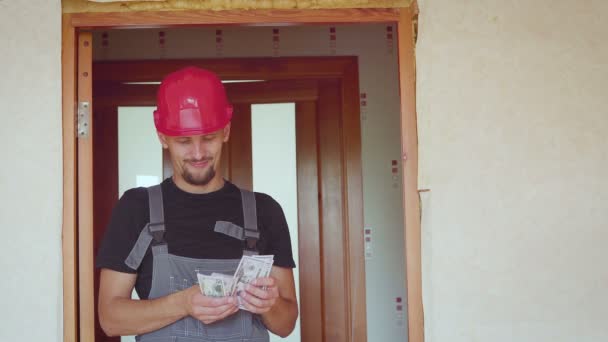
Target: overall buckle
[[157, 230], [251, 239]]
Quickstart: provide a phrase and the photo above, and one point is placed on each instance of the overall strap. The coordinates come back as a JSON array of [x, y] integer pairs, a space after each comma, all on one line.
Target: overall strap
[[153, 233], [250, 222], [249, 232], [157, 214]]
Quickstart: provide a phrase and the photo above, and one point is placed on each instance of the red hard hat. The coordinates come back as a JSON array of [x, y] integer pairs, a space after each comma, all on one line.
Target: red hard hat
[[191, 101]]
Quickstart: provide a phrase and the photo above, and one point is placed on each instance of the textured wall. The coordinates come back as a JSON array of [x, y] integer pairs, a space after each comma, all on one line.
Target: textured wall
[[30, 176], [78, 6], [376, 49], [513, 119]]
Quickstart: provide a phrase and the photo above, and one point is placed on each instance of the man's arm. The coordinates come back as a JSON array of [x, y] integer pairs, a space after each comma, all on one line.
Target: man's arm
[[277, 304], [121, 315]]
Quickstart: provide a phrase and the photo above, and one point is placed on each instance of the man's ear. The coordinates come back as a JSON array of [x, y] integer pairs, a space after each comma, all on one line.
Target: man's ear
[[227, 132], [163, 140]]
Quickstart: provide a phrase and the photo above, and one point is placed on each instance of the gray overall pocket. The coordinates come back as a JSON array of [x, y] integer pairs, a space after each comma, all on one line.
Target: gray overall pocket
[[184, 272], [229, 328]]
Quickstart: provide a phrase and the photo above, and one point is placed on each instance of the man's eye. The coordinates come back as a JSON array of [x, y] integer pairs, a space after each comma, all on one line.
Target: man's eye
[[182, 142]]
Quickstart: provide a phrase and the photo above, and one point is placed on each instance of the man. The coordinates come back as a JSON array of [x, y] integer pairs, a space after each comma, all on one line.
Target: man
[[159, 238]]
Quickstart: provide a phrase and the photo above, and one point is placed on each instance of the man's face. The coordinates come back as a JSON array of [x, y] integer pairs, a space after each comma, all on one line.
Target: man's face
[[196, 158]]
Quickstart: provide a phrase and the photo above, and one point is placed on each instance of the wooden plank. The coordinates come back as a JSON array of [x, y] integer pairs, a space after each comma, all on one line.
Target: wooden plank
[[254, 92], [69, 242], [336, 322], [409, 148], [279, 68], [272, 91], [150, 19], [309, 238], [138, 95], [241, 166], [85, 194], [105, 185], [351, 142]]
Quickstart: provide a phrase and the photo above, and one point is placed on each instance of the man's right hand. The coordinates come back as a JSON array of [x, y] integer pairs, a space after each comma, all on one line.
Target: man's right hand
[[208, 309]]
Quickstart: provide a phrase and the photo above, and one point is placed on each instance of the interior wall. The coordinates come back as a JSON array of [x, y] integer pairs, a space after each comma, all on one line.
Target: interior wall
[[375, 46], [512, 114], [31, 176]]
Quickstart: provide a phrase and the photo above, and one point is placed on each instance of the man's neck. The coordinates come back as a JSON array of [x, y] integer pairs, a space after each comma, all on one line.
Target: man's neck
[[214, 185]]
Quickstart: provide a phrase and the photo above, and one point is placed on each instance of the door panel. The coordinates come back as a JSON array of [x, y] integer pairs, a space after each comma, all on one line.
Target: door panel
[[332, 207], [239, 147]]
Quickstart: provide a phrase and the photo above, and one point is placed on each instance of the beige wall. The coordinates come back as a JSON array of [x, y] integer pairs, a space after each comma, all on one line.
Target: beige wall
[[513, 125], [512, 122], [30, 176]]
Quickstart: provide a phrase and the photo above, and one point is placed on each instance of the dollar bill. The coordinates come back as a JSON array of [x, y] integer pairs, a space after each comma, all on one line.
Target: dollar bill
[[227, 279], [211, 286], [250, 268], [263, 257], [269, 260]]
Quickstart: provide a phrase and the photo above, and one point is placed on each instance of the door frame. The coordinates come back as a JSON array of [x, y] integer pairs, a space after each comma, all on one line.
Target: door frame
[[75, 52], [328, 312]]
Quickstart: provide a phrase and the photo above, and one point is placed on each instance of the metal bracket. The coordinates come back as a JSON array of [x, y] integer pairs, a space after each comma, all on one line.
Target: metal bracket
[[84, 115]]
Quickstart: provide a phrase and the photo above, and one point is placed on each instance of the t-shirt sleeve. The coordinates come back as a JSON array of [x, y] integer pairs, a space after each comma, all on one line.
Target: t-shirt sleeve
[[274, 225], [129, 217]]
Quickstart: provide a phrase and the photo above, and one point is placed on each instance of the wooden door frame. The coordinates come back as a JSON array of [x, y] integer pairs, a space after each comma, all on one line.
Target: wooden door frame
[[319, 310], [403, 18], [286, 79]]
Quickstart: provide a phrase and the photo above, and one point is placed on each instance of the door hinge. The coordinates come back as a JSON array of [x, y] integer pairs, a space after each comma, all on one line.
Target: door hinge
[[84, 114]]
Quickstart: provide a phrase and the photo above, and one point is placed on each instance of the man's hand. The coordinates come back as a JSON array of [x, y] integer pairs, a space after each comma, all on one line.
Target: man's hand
[[208, 309], [257, 299]]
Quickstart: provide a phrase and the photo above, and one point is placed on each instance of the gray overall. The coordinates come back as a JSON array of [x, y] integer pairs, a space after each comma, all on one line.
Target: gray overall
[[172, 273]]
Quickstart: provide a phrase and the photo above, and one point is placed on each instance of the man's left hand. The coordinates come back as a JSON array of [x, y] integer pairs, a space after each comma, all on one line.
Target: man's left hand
[[260, 295]]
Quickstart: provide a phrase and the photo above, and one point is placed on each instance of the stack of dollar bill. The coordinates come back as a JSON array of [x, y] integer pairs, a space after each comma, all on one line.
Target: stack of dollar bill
[[250, 268]]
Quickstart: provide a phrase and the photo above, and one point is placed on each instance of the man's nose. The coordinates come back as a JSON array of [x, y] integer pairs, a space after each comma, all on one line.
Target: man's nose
[[198, 151]]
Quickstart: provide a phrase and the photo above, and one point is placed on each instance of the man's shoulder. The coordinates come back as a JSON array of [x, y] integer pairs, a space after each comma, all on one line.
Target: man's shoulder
[[131, 212], [264, 201], [134, 200], [264, 198], [140, 193], [135, 195], [266, 204]]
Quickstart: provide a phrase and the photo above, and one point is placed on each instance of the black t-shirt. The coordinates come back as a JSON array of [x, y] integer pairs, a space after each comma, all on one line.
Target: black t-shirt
[[189, 223]]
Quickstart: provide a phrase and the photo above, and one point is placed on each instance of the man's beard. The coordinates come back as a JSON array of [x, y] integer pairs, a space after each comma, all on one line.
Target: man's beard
[[203, 179]]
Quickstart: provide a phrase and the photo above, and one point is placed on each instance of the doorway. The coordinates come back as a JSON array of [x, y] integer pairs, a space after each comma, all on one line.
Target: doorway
[[78, 161], [327, 265]]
